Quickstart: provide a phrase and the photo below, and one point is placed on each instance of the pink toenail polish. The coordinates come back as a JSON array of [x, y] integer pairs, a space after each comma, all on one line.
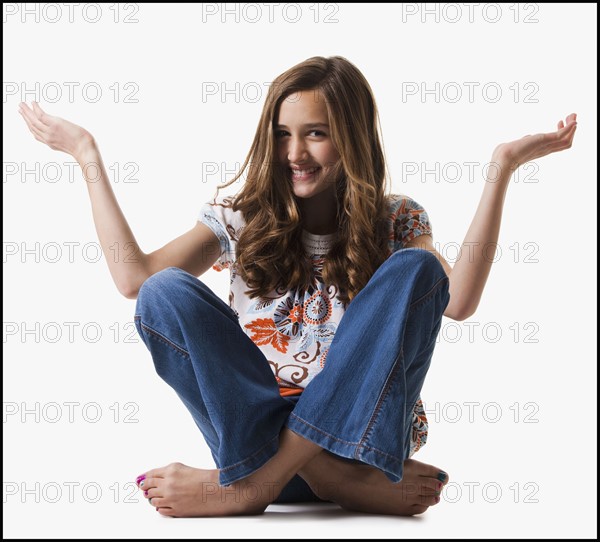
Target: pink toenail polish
[[140, 478], [145, 493]]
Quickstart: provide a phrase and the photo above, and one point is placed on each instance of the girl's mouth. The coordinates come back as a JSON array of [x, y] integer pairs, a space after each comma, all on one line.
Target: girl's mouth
[[304, 174]]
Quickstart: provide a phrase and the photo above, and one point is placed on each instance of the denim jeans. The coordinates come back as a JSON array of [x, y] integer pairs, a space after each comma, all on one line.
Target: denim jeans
[[358, 407]]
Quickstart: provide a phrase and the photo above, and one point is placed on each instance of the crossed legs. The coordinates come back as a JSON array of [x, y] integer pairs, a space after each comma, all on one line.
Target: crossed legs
[[260, 440]]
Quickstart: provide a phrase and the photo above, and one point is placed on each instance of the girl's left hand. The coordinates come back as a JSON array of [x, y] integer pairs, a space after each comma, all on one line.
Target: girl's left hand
[[516, 153]]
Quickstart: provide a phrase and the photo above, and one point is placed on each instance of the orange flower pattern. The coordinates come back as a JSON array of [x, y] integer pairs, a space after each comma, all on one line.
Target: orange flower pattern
[[294, 329]]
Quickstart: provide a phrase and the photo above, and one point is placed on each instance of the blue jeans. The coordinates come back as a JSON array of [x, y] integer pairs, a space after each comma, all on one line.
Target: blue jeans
[[358, 407]]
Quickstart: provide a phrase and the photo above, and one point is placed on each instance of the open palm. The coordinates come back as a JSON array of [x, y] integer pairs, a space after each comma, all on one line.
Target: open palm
[[59, 134], [516, 153]]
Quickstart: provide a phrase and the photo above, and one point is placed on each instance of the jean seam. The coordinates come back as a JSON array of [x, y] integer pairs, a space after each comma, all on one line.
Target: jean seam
[[416, 304], [376, 451], [329, 435], [382, 396], [321, 431], [250, 457], [162, 338], [394, 371]]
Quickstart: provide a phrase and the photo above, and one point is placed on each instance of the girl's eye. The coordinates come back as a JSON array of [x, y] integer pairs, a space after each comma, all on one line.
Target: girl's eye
[[282, 133]]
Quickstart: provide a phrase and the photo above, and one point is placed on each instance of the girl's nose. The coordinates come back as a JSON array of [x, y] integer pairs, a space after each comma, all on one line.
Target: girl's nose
[[297, 151]]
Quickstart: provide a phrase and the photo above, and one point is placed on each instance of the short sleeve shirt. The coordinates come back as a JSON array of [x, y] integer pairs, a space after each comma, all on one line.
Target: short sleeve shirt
[[294, 329]]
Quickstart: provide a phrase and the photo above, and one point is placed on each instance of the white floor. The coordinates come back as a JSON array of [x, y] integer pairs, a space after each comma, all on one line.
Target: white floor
[[318, 520]]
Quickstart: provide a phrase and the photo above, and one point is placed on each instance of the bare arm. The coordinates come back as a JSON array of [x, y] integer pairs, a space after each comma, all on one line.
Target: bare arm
[[472, 268], [195, 251]]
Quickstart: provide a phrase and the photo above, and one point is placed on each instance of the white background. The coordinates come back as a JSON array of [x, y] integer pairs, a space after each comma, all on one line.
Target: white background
[[527, 449]]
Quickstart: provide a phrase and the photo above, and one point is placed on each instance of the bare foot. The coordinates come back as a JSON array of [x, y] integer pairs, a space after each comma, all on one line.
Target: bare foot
[[181, 491], [362, 488]]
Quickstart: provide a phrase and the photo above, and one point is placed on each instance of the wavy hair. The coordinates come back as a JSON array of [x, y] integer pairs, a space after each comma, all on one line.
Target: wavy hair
[[270, 254]]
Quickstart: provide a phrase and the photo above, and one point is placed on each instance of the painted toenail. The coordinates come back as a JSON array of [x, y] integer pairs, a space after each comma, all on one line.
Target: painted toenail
[[140, 478], [146, 493], [442, 476]]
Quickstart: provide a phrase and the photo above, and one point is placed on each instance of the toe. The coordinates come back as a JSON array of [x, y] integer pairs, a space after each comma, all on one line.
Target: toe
[[153, 493], [149, 483], [428, 471], [429, 500], [440, 475], [156, 473], [157, 502], [430, 486]]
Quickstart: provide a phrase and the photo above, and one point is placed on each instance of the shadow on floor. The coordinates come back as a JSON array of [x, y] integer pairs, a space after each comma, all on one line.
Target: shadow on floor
[[321, 511]]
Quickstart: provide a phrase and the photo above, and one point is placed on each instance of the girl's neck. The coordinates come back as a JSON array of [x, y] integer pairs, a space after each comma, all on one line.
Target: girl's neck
[[319, 213]]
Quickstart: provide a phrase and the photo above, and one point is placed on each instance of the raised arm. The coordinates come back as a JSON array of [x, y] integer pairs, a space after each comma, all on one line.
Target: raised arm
[[195, 251], [472, 268]]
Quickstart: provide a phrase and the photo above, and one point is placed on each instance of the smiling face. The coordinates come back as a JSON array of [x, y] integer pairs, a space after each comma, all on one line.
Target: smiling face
[[304, 146]]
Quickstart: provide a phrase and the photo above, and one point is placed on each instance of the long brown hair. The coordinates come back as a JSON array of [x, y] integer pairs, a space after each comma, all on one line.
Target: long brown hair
[[270, 254]]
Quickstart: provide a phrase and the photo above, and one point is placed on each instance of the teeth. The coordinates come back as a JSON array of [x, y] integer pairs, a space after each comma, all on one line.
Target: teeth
[[304, 171]]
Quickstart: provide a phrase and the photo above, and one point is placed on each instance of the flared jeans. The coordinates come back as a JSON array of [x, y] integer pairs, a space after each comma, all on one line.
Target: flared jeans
[[359, 407]]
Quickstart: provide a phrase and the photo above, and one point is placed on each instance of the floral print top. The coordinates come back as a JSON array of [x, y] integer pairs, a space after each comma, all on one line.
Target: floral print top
[[294, 328]]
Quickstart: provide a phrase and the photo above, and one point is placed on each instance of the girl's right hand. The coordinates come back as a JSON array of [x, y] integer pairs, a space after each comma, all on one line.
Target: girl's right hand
[[59, 134]]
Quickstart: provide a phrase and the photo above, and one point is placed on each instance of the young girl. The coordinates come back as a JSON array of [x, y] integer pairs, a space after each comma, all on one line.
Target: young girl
[[307, 385]]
